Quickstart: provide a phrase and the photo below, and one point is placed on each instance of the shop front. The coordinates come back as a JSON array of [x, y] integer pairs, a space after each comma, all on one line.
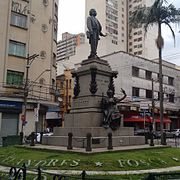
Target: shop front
[[9, 118], [139, 122], [53, 118]]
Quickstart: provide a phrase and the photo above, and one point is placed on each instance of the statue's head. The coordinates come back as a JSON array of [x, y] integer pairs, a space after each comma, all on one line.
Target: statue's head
[[110, 93], [92, 12]]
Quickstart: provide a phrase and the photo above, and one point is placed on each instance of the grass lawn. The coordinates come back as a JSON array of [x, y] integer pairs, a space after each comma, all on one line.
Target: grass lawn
[[108, 161]]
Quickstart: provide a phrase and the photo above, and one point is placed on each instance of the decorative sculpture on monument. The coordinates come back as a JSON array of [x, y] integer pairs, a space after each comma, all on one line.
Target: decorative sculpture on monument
[[111, 115], [93, 33]]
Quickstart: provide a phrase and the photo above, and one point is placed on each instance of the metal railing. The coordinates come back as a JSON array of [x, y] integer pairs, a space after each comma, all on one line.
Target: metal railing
[[24, 174], [163, 176], [38, 174]]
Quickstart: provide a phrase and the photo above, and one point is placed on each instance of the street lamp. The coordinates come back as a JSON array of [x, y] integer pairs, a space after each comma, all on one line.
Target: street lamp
[[29, 59]]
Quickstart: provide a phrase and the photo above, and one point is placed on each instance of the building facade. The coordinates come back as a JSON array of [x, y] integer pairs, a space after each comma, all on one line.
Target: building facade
[[67, 46], [65, 83], [28, 63], [139, 78]]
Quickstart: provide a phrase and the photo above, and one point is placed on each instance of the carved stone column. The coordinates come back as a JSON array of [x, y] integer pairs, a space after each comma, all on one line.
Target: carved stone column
[[111, 88], [93, 85], [76, 86]]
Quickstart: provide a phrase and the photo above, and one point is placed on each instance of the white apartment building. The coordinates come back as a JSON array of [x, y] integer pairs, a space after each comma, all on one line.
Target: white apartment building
[[28, 37], [67, 46], [139, 78], [139, 43]]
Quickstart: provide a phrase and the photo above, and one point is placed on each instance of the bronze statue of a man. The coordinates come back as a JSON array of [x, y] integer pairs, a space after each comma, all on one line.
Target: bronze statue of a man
[[93, 33]]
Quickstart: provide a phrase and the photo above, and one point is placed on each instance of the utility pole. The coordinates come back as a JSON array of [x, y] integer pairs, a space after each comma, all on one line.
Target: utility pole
[[29, 59], [153, 106]]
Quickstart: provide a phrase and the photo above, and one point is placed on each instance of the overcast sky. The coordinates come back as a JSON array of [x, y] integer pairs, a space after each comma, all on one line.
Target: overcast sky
[[72, 20]]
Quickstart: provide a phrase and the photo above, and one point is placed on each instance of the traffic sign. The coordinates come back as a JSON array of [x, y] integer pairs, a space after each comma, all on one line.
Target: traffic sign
[[144, 106]]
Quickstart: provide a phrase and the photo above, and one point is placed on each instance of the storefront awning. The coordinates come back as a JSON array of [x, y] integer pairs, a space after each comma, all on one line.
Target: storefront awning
[[146, 119], [165, 120], [137, 119]]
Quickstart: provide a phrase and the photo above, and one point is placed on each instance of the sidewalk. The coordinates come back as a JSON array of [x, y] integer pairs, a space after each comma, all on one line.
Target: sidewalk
[[95, 150], [77, 172]]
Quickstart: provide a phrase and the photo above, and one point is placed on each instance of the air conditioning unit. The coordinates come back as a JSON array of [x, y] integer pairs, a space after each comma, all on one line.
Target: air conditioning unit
[[46, 2], [44, 28], [43, 54]]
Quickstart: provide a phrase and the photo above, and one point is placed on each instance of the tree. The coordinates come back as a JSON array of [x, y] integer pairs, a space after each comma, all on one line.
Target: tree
[[158, 14]]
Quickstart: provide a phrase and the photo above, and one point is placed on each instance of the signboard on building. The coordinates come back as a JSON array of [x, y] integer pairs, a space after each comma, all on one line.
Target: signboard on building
[[144, 105], [53, 115], [10, 105], [19, 7]]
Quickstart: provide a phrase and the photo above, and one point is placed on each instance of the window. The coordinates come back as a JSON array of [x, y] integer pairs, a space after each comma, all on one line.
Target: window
[[18, 20], [53, 84], [54, 59], [56, 10], [139, 39], [171, 98], [42, 81], [61, 85], [135, 91], [148, 94], [69, 101], [45, 2], [70, 84], [55, 32], [17, 48], [135, 71], [148, 75], [14, 78], [158, 96], [171, 81], [139, 46], [66, 84]]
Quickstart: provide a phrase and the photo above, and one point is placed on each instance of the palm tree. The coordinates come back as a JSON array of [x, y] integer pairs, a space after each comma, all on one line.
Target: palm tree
[[158, 14]]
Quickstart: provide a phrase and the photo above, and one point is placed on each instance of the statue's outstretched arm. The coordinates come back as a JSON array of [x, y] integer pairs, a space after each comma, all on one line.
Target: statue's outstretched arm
[[101, 34], [124, 95]]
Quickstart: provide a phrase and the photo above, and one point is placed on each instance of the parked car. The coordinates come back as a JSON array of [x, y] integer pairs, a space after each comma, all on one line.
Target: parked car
[[169, 134], [27, 139], [141, 132], [176, 132]]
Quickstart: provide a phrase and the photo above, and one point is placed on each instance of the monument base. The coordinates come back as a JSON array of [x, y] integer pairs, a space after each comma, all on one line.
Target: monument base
[[122, 137], [93, 81]]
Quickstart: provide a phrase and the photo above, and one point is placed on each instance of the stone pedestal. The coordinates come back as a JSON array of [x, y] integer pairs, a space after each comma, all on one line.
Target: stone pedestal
[[92, 81]]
